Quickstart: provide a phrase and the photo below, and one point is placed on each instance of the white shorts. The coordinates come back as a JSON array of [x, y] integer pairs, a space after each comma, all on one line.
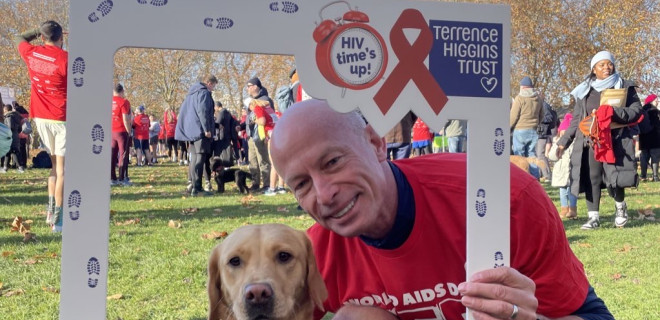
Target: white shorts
[[53, 135]]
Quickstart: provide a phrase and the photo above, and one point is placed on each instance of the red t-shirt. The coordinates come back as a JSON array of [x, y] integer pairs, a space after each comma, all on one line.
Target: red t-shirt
[[120, 107], [419, 280], [421, 131], [47, 66], [141, 125], [170, 124], [161, 133]]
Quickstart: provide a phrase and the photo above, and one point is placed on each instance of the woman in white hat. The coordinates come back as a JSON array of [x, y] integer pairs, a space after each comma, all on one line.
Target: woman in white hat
[[616, 168]]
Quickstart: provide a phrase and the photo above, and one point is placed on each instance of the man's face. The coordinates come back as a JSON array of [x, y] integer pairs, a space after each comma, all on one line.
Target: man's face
[[337, 178], [252, 90], [210, 85]]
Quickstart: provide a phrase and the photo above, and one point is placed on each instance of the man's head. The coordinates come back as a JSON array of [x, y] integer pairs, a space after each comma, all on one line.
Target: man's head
[[52, 33], [7, 108], [218, 105], [526, 82], [337, 168], [209, 81], [140, 109], [152, 118], [253, 87], [118, 90]]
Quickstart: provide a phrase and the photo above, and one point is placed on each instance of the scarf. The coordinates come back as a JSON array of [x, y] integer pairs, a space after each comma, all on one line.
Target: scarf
[[599, 85]]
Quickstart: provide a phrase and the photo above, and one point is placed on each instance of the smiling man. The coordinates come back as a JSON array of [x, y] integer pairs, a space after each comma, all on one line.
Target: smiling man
[[390, 236]]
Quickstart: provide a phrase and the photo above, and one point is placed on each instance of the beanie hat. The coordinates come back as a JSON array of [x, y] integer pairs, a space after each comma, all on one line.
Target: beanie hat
[[140, 108], [255, 81], [603, 55], [650, 98], [526, 82]]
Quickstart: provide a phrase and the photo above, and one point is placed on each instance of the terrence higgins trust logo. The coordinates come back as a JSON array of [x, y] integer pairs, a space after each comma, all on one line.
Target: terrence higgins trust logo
[[349, 53]]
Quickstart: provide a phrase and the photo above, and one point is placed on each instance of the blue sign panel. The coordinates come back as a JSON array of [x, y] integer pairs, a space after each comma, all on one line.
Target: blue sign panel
[[466, 58]]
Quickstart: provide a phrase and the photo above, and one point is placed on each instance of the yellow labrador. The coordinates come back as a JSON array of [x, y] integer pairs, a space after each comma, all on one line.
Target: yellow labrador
[[264, 272]]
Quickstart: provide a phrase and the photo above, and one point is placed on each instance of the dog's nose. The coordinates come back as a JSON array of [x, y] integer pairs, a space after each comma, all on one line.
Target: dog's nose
[[258, 293]]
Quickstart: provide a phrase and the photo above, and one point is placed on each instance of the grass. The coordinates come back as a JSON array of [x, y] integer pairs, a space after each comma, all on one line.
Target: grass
[[159, 272]]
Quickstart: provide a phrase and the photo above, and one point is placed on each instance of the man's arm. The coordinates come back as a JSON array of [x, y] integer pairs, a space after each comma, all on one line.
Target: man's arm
[[354, 312], [127, 122], [27, 36]]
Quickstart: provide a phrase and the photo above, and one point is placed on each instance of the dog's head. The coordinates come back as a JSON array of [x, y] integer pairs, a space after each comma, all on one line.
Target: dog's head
[[264, 272], [216, 165]]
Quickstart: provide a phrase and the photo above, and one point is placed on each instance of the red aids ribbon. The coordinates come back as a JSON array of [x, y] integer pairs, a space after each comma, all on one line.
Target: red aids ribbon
[[411, 64]]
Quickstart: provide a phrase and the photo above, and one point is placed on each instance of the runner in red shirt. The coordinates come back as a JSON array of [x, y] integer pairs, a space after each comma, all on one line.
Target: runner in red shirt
[[47, 67], [169, 121], [141, 125], [121, 126]]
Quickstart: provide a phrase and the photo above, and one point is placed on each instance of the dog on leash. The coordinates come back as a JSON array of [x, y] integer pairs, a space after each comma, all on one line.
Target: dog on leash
[[533, 166], [222, 175], [264, 272]]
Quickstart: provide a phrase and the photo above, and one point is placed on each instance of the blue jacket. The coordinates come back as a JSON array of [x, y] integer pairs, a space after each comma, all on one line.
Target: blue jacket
[[195, 114]]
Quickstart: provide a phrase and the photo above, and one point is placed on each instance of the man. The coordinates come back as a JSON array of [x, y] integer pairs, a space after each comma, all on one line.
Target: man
[[257, 147], [195, 125], [13, 121], [141, 126], [47, 66], [390, 239], [399, 138], [526, 114], [456, 133], [546, 129], [121, 128]]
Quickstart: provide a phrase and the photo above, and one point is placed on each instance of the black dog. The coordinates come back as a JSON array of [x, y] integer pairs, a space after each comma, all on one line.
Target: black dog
[[223, 175]]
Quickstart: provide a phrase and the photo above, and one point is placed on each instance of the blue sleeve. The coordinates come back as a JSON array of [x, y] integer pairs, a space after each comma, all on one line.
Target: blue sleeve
[[593, 308]]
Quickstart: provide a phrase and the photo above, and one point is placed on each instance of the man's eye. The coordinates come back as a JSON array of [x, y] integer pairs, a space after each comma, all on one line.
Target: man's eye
[[332, 162]]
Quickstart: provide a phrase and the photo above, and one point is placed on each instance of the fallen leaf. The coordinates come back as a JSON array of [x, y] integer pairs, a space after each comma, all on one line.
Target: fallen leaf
[[115, 296], [50, 289], [128, 222], [617, 276], [282, 209], [29, 236], [7, 253], [32, 261], [189, 211], [215, 235], [187, 280], [636, 281], [15, 292], [626, 248], [185, 252], [113, 212], [585, 245], [174, 224]]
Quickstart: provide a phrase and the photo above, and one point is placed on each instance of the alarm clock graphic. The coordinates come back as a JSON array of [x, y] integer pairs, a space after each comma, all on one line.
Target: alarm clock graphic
[[349, 53]]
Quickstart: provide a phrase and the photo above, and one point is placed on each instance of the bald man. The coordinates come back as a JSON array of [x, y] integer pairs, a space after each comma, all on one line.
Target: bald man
[[390, 236]]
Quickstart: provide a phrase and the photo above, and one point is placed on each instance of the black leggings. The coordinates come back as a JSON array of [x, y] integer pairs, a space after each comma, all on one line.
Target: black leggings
[[591, 178], [172, 144]]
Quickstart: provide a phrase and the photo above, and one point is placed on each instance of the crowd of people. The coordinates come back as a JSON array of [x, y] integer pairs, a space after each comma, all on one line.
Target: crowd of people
[[376, 211]]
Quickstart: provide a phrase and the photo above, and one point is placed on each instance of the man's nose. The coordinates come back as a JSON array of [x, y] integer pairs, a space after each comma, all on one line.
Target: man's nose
[[326, 190]]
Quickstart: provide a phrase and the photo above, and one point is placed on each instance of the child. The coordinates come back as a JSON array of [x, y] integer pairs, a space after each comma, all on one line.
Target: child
[[561, 173]]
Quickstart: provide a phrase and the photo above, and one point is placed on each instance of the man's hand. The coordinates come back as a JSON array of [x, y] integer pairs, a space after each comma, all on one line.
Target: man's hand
[[495, 293], [349, 312], [207, 134]]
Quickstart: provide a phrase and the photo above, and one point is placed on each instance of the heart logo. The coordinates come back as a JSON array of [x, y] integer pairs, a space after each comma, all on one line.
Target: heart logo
[[489, 83]]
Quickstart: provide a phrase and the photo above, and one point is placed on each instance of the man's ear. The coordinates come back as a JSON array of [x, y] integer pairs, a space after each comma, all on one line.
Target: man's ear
[[377, 142]]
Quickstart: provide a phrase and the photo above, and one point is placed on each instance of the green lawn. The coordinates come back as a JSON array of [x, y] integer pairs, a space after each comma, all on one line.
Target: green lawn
[[159, 272]]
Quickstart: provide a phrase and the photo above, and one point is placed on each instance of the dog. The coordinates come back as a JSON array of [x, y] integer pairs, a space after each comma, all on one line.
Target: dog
[[264, 272], [533, 166], [222, 175]]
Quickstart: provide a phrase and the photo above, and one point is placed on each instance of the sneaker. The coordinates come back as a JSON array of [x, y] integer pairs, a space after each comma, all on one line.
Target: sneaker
[[195, 193], [181, 162], [280, 190], [592, 223], [49, 216], [207, 186], [3, 170], [126, 183], [57, 219], [185, 162], [270, 192], [621, 215], [21, 170], [114, 183]]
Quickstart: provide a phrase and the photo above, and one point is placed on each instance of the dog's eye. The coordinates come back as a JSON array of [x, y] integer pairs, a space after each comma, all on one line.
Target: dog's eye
[[235, 261], [284, 256]]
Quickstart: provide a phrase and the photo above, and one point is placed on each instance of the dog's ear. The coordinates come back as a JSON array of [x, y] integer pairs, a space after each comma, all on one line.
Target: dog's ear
[[315, 284], [214, 285]]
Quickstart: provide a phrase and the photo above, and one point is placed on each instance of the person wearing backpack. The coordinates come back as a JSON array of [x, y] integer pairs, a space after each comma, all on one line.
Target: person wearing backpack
[[13, 120], [257, 146]]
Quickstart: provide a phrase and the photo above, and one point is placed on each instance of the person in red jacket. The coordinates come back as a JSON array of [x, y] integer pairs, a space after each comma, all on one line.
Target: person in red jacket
[[47, 65], [390, 239], [421, 138], [141, 124], [169, 121], [121, 129]]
